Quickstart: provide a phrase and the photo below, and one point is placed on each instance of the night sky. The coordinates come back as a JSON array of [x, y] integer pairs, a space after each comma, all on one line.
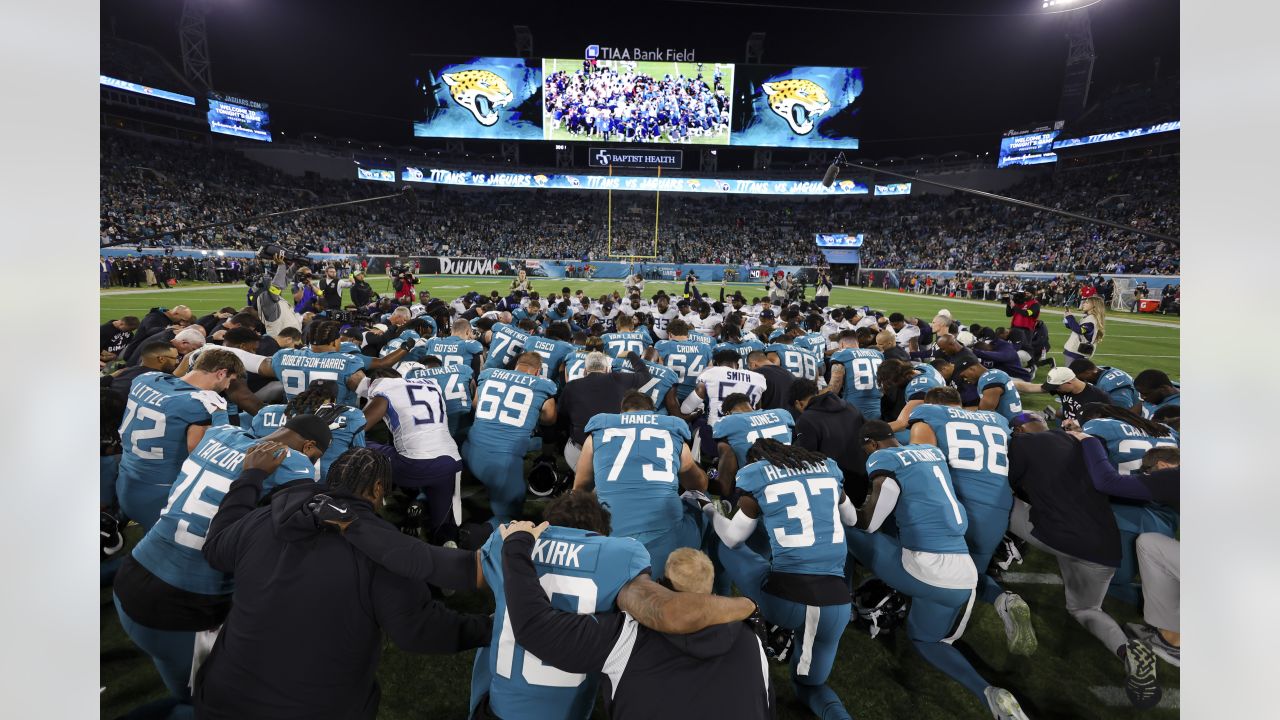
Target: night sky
[[933, 83]]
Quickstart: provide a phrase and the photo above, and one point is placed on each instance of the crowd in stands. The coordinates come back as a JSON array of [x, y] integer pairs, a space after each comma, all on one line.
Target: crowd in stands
[[150, 188]]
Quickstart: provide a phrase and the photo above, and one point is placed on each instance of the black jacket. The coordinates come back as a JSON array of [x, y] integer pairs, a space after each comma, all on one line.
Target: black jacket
[[1048, 470], [305, 630], [151, 323], [777, 387], [595, 393], [833, 427], [646, 674]]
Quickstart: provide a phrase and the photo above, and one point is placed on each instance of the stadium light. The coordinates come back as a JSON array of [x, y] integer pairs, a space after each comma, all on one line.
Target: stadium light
[[219, 253]]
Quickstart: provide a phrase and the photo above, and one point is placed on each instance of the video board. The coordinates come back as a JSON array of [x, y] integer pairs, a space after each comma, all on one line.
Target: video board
[[637, 101], [239, 117], [491, 98], [379, 174], [1029, 147], [144, 90], [802, 107], [839, 240]]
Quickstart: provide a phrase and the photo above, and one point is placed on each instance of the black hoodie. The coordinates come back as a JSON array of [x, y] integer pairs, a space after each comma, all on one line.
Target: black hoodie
[[833, 427], [647, 674], [305, 630]]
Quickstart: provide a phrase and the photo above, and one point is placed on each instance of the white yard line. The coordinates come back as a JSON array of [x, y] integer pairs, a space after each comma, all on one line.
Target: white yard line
[[1115, 697]]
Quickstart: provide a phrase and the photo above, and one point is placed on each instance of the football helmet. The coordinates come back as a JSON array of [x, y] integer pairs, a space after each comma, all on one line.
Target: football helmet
[[879, 607], [545, 479]]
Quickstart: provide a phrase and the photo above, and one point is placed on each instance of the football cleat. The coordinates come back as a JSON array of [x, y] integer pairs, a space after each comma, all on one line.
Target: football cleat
[[1163, 650], [1016, 616], [1004, 706], [1140, 675], [779, 643], [109, 532], [1008, 553]]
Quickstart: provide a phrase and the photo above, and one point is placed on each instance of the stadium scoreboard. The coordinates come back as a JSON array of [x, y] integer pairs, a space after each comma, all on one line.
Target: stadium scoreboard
[[839, 240], [230, 115]]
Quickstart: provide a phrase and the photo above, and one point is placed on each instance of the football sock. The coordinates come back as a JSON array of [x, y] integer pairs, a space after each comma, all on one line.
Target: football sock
[[949, 660]]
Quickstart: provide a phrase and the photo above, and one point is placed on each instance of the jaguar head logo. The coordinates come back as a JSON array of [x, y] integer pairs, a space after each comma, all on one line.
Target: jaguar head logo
[[799, 102], [480, 91]]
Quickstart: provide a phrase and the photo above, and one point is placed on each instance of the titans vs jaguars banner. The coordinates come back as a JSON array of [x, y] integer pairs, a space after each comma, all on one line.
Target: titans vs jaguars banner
[[484, 97], [437, 176], [802, 107]]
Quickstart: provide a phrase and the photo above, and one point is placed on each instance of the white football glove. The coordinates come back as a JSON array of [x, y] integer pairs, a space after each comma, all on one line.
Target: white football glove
[[211, 400]]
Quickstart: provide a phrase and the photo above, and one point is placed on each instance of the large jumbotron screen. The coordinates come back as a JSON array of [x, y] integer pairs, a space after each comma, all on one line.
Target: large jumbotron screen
[[637, 101], [810, 107]]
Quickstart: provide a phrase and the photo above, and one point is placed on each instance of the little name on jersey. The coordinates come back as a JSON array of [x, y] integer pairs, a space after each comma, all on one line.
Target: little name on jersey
[[764, 419], [638, 419], [221, 455], [956, 413], [147, 395], [557, 552], [310, 361], [774, 472]]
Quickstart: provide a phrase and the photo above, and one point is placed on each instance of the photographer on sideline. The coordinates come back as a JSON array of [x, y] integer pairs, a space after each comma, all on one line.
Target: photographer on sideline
[[1024, 309], [274, 309], [403, 284]]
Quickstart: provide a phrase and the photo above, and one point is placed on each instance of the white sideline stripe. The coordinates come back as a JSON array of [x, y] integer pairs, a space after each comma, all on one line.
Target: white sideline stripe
[[1017, 578], [1144, 355], [942, 301], [1115, 697]]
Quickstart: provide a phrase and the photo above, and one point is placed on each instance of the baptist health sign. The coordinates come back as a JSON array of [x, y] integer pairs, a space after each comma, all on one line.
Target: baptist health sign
[[616, 157]]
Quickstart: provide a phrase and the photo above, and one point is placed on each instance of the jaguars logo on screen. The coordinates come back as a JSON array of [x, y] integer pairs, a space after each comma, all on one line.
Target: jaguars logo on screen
[[798, 101], [480, 91]]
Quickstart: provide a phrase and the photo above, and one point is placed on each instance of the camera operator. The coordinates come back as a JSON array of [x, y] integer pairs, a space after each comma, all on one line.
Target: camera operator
[[403, 284], [1024, 309], [276, 312], [362, 293], [305, 297]]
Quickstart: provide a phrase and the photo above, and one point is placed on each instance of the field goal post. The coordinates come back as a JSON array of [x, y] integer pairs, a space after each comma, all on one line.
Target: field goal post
[[629, 253]]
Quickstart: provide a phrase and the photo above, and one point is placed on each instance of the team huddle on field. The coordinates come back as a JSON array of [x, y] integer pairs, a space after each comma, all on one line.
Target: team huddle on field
[[722, 483]]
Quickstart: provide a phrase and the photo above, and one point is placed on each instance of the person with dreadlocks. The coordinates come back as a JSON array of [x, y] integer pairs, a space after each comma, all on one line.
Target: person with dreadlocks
[[928, 560], [310, 607], [346, 423], [798, 495], [1127, 438], [322, 359]]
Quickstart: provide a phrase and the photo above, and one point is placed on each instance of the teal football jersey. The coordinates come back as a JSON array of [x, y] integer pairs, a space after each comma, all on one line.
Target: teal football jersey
[[454, 381], [928, 515], [799, 360], [158, 411], [348, 433], [800, 513], [618, 344], [298, 368], [636, 459], [741, 430], [398, 341], [1125, 443], [553, 352], [507, 408], [171, 549], [581, 572], [506, 345], [976, 443], [861, 386], [1010, 400], [921, 384], [1149, 409], [743, 349], [454, 350], [687, 359], [1119, 385], [661, 380]]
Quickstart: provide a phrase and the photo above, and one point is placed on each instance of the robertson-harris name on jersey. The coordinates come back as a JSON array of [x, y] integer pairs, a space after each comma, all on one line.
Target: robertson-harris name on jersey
[[313, 362]]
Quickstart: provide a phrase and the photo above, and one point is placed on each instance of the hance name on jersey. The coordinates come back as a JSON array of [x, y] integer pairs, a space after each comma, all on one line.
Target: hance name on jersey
[[313, 362], [221, 455], [635, 419], [557, 552]]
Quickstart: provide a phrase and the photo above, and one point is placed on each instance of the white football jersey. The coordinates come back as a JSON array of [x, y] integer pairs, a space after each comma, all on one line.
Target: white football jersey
[[721, 382], [417, 418], [661, 319]]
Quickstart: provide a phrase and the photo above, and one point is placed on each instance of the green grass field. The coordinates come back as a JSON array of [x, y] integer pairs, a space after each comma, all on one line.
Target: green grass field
[[1070, 676], [654, 70]]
